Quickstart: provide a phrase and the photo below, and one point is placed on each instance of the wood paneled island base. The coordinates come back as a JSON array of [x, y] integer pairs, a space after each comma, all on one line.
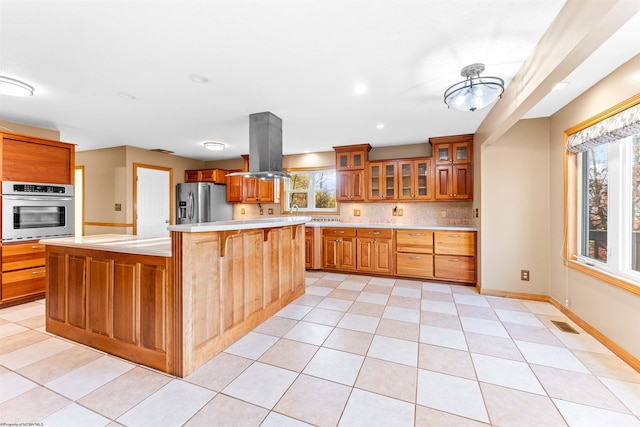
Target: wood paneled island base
[[174, 313]]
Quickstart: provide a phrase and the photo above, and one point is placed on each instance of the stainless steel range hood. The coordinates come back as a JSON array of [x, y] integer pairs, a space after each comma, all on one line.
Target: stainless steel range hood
[[265, 147]]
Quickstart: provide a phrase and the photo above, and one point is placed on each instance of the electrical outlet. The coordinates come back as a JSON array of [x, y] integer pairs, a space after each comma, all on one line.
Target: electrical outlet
[[394, 212], [261, 211], [356, 212], [524, 275], [400, 212], [242, 211], [118, 207], [476, 212], [270, 211], [443, 214]]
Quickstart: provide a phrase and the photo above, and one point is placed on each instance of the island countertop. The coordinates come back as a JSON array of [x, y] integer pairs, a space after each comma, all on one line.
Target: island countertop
[[125, 243]]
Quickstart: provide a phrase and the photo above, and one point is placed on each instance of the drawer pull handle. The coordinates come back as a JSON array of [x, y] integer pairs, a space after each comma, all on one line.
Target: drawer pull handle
[[453, 259], [374, 232], [415, 257], [339, 232], [37, 246], [453, 235], [415, 234], [39, 272]]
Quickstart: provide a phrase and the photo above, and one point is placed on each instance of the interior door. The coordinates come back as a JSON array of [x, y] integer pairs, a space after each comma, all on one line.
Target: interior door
[[152, 200]]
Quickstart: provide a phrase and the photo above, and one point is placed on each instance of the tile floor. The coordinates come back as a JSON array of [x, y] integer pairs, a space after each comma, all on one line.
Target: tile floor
[[352, 351]]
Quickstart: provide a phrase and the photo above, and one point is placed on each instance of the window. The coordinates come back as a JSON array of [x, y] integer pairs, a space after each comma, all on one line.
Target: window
[[311, 191], [604, 217]]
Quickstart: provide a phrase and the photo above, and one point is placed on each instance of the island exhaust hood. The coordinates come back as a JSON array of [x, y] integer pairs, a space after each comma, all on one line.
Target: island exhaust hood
[[265, 147]]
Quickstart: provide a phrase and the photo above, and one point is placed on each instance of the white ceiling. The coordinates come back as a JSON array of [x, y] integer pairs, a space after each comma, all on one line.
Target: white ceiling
[[299, 59]]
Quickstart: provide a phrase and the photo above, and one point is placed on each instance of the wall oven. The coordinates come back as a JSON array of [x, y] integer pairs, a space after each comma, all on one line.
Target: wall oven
[[32, 211]]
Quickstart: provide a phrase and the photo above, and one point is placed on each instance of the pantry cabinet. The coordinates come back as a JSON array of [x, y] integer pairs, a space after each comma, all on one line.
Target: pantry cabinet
[[374, 250], [455, 255], [453, 158], [339, 248]]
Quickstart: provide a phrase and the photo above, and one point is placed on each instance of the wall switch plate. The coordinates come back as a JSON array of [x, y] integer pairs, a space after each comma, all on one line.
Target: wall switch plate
[[394, 212], [400, 212], [242, 211], [524, 275], [443, 214], [356, 212], [118, 207], [270, 211], [261, 211]]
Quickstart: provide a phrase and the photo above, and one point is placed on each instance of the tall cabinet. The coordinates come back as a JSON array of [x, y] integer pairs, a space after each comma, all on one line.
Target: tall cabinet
[[350, 167], [29, 159]]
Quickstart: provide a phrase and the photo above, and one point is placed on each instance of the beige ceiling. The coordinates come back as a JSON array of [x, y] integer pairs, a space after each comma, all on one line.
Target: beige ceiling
[[299, 59]]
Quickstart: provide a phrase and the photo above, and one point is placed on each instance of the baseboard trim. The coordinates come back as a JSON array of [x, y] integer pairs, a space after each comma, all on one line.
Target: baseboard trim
[[627, 357]]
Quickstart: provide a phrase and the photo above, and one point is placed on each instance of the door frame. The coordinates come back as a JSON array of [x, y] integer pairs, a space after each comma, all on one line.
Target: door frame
[[135, 192]]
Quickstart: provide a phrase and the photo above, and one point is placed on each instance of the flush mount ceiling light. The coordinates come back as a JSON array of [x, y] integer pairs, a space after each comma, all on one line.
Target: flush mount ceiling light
[[474, 92], [214, 146], [13, 87]]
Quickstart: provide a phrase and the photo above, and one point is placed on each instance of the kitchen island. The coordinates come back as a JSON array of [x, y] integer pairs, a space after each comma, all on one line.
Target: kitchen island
[[173, 303]]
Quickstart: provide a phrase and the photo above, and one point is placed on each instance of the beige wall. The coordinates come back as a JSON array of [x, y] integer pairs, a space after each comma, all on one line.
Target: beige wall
[[36, 132]]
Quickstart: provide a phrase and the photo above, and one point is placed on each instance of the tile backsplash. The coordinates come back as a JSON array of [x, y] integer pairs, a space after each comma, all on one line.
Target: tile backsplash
[[422, 213]]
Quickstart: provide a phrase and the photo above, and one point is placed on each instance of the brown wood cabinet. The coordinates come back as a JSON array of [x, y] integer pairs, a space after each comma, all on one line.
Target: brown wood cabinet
[[339, 248], [350, 186], [455, 255], [374, 251], [349, 157], [23, 272], [382, 181], [217, 176], [308, 247], [415, 179], [453, 158], [36, 160], [241, 189], [414, 253]]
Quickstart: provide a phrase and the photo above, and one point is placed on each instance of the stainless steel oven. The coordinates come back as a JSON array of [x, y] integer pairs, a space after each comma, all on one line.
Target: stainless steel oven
[[33, 211]]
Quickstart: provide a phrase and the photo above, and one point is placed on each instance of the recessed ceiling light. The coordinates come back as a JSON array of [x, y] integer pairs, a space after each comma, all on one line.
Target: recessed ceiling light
[[198, 78], [214, 146], [380, 125], [306, 151], [360, 88], [13, 87], [560, 85], [127, 96]]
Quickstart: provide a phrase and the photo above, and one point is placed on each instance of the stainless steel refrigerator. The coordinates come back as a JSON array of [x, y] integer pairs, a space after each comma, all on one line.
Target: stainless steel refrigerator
[[202, 202]]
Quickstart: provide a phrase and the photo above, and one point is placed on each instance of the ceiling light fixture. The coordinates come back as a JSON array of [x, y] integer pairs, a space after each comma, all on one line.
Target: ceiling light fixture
[[13, 87], [380, 126], [560, 85], [360, 88], [198, 78], [474, 92], [214, 146]]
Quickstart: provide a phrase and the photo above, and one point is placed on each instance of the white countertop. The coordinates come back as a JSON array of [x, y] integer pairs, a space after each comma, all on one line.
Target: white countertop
[[342, 224], [125, 243], [247, 224]]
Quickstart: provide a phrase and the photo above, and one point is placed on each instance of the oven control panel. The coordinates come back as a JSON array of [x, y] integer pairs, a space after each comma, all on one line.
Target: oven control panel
[[36, 189]]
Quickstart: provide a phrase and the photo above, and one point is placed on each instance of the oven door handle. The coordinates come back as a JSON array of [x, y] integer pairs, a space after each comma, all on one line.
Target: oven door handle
[[37, 199]]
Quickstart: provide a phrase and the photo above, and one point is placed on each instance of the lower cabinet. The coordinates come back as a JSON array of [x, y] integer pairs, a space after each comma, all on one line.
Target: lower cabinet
[[414, 253], [23, 272], [339, 248], [455, 255], [374, 250]]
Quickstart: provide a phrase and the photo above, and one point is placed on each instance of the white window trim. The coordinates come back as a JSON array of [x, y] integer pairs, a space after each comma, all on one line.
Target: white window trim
[[311, 191]]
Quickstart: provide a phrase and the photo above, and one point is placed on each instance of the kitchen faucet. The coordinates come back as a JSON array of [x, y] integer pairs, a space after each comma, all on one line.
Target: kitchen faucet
[[294, 206]]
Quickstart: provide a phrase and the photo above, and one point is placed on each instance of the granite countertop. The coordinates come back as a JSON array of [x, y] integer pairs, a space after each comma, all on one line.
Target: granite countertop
[[124, 243]]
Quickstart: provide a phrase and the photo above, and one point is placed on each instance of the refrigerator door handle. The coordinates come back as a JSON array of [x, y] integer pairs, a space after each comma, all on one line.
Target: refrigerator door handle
[[191, 206]]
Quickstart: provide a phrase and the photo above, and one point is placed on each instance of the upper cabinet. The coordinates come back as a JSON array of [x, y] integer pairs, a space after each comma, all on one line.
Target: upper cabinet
[[30, 159], [350, 157], [217, 176], [453, 158], [382, 181], [415, 179]]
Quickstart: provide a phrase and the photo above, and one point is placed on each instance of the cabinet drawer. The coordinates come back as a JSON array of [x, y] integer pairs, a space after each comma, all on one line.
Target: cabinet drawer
[[452, 267], [386, 233], [346, 232], [455, 242], [414, 264], [420, 241], [308, 231], [23, 283], [23, 255]]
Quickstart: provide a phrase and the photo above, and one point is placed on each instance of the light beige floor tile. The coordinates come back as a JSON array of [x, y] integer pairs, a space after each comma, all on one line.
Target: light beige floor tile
[[294, 311], [74, 415], [470, 299], [335, 365], [261, 384], [324, 316], [493, 346], [581, 342], [388, 378], [413, 293], [335, 304], [373, 297], [226, 411], [483, 326], [464, 289], [172, 405], [348, 340], [358, 322], [397, 329], [627, 392], [31, 406], [576, 387], [475, 311], [278, 420], [218, 372], [582, 415], [318, 291], [608, 366], [507, 373], [439, 307], [547, 355], [252, 346], [17, 341], [548, 322], [344, 294], [7, 329], [308, 299], [446, 361], [311, 333], [89, 377], [518, 317], [370, 409], [394, 350], [436, 287], [409, 284], [14, 385], [34, 352], [532, 334], [539, 307], [509, 407], [377, 289], [367, 309], [315, 401], [123, 393], [4, 322], [276, 326], [437, 296], [352, 286], [443, 337], [429, 417], [287, 354], [33, 322], [402, 314], [327, 283], [52, 367], [440, 320], [404, 302], [22, 312], [451, 394], [507, 304], [382, 281], [337, 276], [358, 278]]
